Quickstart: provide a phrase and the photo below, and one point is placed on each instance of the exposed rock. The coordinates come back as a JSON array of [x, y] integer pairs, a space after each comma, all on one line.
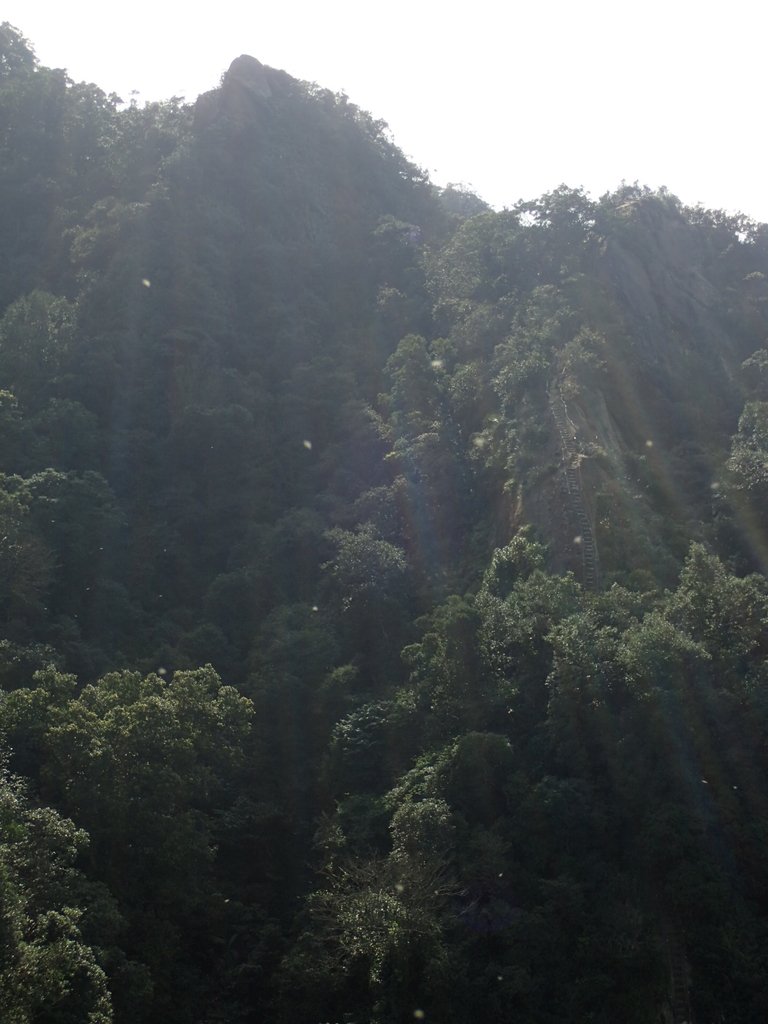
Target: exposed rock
[[246, 85], [245, 72]]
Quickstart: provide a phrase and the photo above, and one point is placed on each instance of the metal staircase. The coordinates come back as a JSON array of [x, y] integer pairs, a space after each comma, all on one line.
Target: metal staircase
[[574, 493], [679, 976]]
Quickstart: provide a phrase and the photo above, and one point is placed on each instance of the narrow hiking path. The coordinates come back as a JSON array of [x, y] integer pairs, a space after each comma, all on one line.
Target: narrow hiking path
[[572, 489]]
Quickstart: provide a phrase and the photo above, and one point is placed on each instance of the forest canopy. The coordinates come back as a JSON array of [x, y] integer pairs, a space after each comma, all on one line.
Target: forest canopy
[[383, 601]]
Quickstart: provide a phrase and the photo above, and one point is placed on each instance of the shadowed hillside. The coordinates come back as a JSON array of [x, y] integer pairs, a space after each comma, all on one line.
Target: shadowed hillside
[[383, 611]]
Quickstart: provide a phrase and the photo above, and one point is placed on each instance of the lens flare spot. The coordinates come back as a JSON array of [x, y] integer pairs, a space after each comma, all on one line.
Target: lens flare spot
[[419, 1015], [649, 443], [578, 539]]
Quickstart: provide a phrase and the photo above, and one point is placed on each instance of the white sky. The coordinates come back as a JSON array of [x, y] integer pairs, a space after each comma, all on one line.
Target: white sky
[[510, 98]]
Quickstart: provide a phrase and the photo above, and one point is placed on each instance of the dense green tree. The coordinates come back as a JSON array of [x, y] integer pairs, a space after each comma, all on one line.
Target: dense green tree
[[48, 971], [144, 764], [36, 338], [270, 400]]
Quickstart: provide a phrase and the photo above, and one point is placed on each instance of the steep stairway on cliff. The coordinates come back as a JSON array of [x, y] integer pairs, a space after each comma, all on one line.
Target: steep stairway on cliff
[[573, 490], [679, 975]]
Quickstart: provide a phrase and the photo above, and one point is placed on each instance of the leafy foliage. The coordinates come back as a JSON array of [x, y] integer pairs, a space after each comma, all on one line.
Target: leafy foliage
[[47, 968], [273, 404]]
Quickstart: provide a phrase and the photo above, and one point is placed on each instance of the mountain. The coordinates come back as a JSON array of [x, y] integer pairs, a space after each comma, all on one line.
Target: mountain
[[384, 617]]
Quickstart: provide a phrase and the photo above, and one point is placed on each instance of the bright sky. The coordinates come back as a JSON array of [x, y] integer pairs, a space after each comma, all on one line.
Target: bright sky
[[510, 98]]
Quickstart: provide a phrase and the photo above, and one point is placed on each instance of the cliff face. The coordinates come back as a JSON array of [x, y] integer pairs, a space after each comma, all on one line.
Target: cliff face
[[653, 423], [637, 314]]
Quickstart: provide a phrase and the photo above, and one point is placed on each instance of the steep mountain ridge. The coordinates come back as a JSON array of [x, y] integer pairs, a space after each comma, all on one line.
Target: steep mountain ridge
[[465, 517]]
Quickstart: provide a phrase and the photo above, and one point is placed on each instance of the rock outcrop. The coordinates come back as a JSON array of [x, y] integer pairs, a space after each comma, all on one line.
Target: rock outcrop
[[245, 86]]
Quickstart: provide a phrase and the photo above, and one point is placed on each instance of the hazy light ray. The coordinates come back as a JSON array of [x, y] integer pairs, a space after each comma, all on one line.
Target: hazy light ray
[[642, 424], [751, 529]]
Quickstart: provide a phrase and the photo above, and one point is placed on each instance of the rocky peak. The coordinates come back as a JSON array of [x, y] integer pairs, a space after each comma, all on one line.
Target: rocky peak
[[246, 84], [247, 73]]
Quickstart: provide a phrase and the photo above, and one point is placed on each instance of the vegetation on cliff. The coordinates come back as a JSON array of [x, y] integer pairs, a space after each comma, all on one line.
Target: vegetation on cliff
[[384, 619]]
